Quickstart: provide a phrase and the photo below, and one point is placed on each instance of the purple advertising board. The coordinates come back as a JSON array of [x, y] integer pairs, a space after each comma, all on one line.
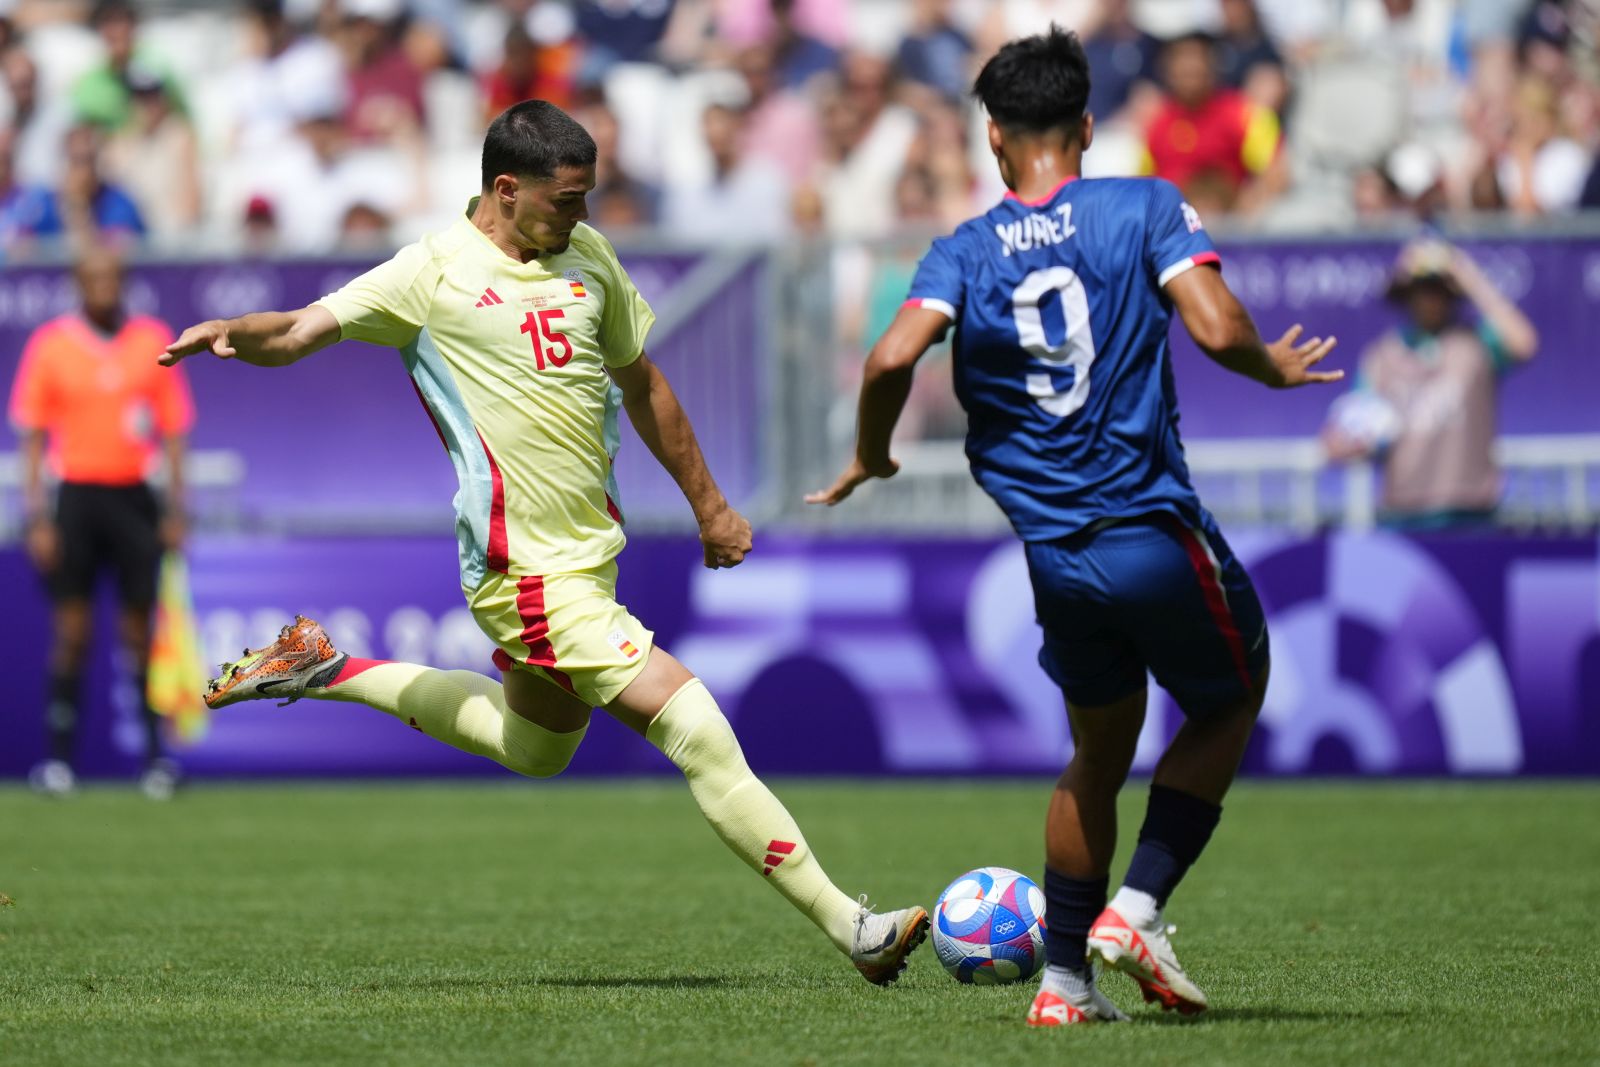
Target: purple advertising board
[[361, 441], [364, 448], [1469, 655], [1337, 288]]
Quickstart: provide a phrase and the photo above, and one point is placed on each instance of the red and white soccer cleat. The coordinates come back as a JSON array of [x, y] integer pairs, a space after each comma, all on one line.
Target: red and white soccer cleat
[[302, 655], [1144, 954], [1059, 1008]]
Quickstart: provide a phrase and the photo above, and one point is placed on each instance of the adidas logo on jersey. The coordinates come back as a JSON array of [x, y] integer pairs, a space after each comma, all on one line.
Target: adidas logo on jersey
[[488, 299]]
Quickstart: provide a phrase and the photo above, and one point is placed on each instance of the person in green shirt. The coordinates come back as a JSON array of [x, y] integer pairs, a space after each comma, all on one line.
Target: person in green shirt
[[101, 96]]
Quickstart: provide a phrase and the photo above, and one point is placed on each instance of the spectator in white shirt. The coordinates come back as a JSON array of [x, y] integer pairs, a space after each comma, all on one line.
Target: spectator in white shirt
[[743, 199]]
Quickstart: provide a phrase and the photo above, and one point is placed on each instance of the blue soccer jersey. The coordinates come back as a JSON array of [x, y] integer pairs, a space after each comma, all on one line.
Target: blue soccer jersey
[[1061, 355]]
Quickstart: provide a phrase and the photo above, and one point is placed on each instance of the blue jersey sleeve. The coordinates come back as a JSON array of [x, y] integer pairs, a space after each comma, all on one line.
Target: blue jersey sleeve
[[1175, 239], [939, 284]]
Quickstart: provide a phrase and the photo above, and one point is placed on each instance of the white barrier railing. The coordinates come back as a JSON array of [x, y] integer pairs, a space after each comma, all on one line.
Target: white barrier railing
[[1551, 481]]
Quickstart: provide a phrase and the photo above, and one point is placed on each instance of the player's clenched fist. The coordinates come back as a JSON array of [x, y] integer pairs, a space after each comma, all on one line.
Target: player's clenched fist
[[211, 336], [726, 539]]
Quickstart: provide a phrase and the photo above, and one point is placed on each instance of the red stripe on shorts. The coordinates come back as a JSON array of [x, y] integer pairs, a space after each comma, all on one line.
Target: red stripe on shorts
[[1216, 599], [536, 628], [498, 549]]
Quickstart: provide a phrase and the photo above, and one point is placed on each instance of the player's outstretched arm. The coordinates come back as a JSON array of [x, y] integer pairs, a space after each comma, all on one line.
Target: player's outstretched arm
[[1224, 331], [664, 427], [884, 387], [266, 338]]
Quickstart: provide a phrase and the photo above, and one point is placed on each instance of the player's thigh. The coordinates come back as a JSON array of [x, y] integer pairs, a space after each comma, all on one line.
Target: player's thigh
[[1105, 737], [566, 628], [130, 524], [80, 556], [637, 705], [536, 698], [1194, 614], [1084, 652]]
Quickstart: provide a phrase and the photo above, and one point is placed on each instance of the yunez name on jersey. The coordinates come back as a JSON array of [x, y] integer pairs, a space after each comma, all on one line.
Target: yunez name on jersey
[[1035, 231]]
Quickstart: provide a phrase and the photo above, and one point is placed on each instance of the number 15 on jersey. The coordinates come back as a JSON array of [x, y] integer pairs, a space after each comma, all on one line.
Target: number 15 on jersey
[[537, 326]]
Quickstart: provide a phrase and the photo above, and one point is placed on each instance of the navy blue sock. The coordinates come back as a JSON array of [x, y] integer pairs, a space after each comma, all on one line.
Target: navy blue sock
[[1175, 831], [61, 714], [1071, 906], [150, 719]]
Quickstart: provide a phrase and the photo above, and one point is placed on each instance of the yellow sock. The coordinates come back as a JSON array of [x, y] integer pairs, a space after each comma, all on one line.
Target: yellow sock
[[692, 732], [463, 709]]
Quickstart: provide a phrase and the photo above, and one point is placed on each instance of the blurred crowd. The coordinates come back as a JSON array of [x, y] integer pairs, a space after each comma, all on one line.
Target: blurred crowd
[[302, 126]]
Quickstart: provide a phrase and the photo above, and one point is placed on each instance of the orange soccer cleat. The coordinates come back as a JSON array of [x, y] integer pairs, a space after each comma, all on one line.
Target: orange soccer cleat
[[302, 655]]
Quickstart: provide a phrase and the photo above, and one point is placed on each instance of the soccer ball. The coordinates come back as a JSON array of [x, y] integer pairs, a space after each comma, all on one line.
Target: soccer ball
[[988, 927], [1367, 419]]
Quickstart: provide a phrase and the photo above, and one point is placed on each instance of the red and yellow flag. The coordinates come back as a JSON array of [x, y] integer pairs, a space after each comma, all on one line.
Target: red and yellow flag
[[176, 674]]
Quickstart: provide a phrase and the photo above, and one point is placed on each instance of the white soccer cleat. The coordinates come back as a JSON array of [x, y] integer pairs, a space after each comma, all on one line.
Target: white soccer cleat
[[1055, 1006], [884, 942], [160, 779], [53, 778], [1144, 954]]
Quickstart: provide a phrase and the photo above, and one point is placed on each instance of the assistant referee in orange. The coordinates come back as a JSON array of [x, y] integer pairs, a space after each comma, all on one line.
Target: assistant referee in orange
[[90, 401]]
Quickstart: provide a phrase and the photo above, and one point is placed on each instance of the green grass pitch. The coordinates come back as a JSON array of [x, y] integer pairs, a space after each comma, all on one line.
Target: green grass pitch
[[539, 923]]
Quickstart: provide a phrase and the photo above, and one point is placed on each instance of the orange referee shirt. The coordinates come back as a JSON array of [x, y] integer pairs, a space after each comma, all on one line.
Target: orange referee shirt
[[104, 402]]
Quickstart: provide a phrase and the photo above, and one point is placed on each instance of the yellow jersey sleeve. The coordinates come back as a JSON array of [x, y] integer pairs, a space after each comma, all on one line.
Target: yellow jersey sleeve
[[626, 318], [387, 305]]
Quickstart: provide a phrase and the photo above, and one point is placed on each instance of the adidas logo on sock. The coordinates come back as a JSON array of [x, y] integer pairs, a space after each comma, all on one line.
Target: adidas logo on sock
[[488, 299], [777, 852]]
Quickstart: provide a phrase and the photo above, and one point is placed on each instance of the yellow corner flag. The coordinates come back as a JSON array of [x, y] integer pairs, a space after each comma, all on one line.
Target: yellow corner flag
[[176, 676]]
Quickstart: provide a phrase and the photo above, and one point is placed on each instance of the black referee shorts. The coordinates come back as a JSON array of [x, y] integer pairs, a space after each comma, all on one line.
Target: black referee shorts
[[107, 526]]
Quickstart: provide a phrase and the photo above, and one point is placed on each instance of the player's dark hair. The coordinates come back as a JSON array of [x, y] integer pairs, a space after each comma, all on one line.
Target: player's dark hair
[[106, 10], [532, 139], [1194, 37], [1036, 84]]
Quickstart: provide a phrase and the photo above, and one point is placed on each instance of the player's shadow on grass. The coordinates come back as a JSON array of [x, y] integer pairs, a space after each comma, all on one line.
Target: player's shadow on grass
[[660, 981], [563, 981], [1224, 1016]]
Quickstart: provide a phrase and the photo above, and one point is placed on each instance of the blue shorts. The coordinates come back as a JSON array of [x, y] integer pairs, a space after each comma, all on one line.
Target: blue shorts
[[1150, 594]]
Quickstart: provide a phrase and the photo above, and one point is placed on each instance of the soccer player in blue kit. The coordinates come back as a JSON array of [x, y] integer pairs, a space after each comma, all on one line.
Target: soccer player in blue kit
[[1061, 297]]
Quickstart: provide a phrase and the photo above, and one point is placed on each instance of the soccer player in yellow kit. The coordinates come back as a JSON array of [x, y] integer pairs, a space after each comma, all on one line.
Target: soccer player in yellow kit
[[524, 336]]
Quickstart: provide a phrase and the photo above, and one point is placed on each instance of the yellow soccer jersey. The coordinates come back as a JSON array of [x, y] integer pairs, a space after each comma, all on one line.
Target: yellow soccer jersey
[[510, 360]]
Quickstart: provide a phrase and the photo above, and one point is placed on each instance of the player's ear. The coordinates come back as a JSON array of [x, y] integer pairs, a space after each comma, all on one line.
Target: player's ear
[[505, 189], [997, 140], [1088, 130]]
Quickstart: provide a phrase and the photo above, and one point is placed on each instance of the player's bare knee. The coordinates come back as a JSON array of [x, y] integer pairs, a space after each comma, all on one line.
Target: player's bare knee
[[1101, 766], [69, 652]]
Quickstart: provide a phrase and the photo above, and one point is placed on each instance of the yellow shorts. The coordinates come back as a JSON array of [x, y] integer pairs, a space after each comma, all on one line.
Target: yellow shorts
[[568, 628]]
